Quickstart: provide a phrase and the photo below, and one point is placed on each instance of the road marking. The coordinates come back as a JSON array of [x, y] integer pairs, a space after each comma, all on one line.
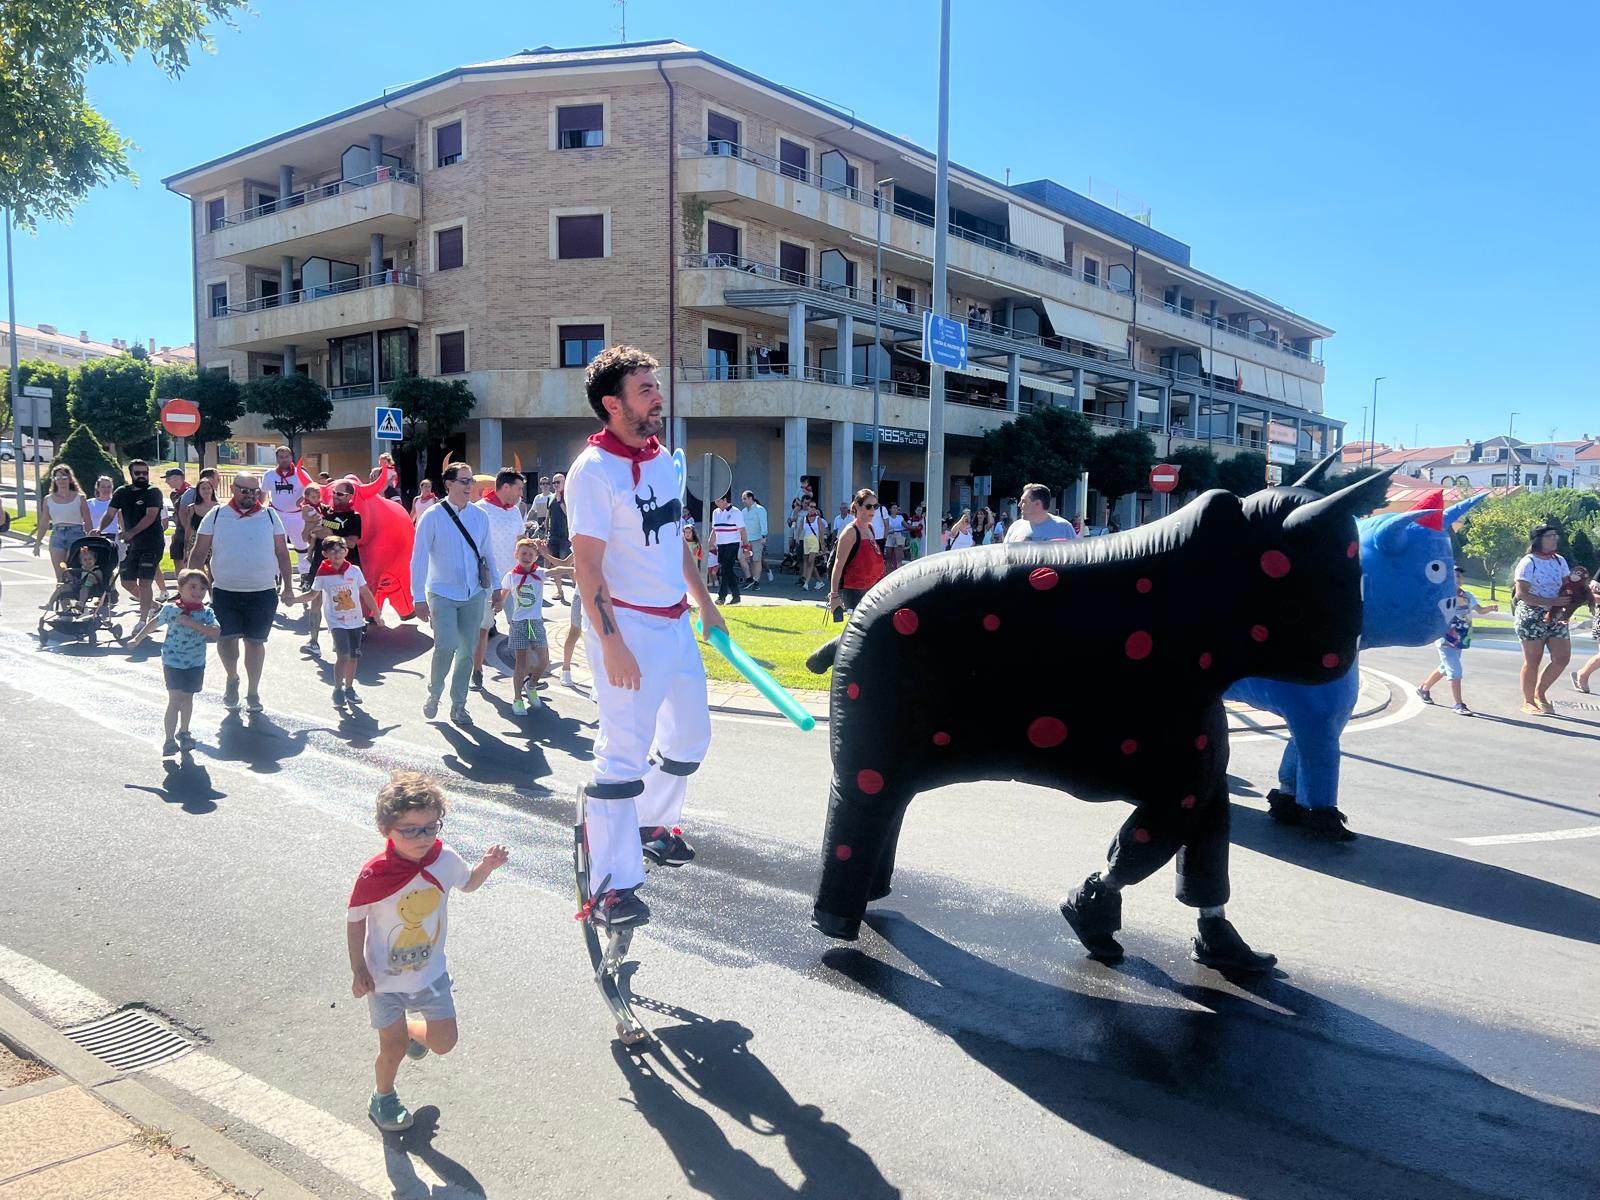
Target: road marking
[[351, 1152], [1555, 835]]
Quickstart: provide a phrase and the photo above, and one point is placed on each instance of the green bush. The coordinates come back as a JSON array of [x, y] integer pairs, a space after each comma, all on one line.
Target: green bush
[[87, 458]]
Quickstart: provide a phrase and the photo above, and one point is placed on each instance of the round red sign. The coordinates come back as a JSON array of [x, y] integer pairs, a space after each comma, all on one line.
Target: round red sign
[[180, 418], [1163, 477]]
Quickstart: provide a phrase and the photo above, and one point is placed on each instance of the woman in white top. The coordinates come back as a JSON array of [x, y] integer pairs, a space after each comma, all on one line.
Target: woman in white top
[[810, 534], [64, 515], [103, 487], [424, 501], [960, 535], [894, 542], [1538, 577]]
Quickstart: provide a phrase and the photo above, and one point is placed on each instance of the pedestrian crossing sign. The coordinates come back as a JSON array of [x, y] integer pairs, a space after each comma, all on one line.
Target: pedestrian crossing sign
[[386, 424]]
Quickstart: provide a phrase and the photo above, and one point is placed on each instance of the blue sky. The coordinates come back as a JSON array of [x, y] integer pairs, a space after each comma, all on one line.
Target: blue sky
[[1419, 176]]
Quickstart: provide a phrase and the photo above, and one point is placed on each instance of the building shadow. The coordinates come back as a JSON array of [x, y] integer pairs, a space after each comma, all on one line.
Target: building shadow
[[1463, 885], [418, 1141], [188, 785], [699, 1062], [1265, 1095]]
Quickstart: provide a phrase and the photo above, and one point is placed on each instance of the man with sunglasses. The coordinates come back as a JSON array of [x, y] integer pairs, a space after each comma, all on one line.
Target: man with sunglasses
[[247, 548], [453, 569], [138, 503]]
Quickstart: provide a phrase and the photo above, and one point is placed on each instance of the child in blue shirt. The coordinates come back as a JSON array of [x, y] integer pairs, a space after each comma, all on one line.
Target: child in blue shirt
[[190, 624], [1456, 639]]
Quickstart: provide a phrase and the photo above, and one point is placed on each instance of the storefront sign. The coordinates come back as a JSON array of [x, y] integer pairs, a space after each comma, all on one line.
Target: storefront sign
[[889, 435]]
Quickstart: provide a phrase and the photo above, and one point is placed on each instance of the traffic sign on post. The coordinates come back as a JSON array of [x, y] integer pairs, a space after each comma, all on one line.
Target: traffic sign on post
[[944, 341], [1274, 475], [386, 424], [180, 418], [1163, 477]]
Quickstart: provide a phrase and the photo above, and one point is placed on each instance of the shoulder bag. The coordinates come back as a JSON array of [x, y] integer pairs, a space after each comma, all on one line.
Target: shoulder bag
[[483, 564]]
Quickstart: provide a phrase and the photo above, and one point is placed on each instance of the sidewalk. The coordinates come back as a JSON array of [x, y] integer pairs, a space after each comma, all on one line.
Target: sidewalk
[[72, 1127]]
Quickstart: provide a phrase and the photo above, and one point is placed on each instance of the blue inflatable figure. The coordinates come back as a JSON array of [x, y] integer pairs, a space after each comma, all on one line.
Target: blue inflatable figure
[[1408, 594]]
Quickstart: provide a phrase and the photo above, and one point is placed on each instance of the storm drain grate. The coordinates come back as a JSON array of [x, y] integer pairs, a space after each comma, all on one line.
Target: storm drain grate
[[130, 1040]]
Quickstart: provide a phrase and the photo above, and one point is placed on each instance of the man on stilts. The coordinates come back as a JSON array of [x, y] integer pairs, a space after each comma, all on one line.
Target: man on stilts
[[636, 578]]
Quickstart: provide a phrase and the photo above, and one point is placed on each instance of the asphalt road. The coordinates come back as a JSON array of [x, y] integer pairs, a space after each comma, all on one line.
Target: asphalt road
[[1432, 1031]]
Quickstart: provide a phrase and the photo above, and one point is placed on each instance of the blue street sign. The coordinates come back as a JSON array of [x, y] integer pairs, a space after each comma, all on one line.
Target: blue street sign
[[386, 424], [944, 341]]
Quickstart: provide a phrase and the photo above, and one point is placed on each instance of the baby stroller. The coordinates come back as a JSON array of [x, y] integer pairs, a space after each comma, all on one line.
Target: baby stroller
[[80, 607]]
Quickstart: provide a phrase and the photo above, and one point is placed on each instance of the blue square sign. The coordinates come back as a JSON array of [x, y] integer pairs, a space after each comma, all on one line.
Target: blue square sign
[[386, 424], [944, 341]]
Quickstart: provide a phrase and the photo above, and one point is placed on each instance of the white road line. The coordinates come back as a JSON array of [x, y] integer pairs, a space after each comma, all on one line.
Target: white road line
[[353, 1153], [1555, 835]]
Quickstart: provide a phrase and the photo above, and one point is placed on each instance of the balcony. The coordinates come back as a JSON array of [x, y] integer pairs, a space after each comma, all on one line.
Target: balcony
[[1197, 329], [328, 221], [382, 301]]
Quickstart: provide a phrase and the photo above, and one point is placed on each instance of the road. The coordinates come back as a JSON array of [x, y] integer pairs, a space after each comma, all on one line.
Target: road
[[1432, 1031]]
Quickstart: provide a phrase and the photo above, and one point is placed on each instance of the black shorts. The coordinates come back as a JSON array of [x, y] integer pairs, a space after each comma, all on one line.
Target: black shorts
[[185, 679], [245, 614], [347, 642], [141, 558], [180, 547]]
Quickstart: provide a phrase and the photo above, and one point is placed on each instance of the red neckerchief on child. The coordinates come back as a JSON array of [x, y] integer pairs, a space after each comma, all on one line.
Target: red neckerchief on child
[[327, 568], [245, 512], [494, 499], [526, 573], [612, 444], [185, 607], [385, 874]]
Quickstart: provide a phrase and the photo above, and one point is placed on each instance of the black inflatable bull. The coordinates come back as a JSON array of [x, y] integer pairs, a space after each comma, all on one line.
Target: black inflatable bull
[[1103, 662]]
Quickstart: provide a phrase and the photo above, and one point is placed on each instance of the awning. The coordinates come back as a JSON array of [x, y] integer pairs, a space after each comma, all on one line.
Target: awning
[[1085, 326], [1255, 378], [1310, 396], [1223, 366], [1038, 233], [1274, 384], [1291, 389]]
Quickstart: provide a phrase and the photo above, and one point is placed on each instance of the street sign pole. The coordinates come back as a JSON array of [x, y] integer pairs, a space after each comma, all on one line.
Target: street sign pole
[[933, 495], [11, 382]]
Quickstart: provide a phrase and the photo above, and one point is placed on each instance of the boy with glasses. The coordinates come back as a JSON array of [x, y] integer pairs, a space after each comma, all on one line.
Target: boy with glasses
[[395, 930]]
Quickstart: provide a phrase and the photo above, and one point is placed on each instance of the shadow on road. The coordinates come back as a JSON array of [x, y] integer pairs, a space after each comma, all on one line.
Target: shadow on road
[[484, 757], [1478, 785], [1303, 1098], [418, 1140], [1461, 884], [257, 740], [704, 1062], [188, 785]]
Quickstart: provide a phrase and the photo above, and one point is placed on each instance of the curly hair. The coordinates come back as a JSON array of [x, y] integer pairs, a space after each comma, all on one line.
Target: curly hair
[[606, 373], [408, 791]]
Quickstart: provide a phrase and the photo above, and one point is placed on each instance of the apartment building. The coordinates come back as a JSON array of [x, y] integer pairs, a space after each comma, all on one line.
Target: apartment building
[[46, 343], [1498, 462], [501, 222]]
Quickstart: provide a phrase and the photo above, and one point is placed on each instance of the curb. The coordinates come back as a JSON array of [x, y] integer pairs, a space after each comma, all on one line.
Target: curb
[[31, 1037]]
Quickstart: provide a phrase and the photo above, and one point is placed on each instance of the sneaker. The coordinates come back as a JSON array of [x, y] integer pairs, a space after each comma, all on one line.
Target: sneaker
[[387, 1113], [185, 740], [1424, 695], [252, 703], [430, 708], [665, 847], [1218, 945], [415, 1050], [458, 715], [1579, 685], [477, 680], [350, 694], [769, 574], [566, 678], [1461, 710], [1095, 912], [619, 907], [534, 703], [169, 747], [520, 706], [312, 647], [1328, 824], [338, 694], [230, 694]]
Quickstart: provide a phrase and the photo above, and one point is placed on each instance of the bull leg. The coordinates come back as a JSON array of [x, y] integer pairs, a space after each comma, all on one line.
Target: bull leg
[[884, 875], [1203, 884], [1282, 801], [857, 850]]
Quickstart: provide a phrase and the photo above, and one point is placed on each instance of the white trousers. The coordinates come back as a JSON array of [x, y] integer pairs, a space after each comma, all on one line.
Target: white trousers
[[668, 716]]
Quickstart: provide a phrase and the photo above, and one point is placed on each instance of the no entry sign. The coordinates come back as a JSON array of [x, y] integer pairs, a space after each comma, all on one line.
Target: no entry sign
[[1163, 477], [180, 418]]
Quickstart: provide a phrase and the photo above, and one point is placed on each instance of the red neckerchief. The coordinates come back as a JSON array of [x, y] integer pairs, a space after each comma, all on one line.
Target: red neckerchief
[[612, 444], [282, 474], [245, 512], [185, 607], [494, 499], [385, 874], [527, 574], [327, 568]]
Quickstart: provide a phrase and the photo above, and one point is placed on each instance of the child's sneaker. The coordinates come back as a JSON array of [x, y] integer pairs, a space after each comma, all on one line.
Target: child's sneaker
[[185, 740], [313, 647], [415, 1050], [350, 696], [620, 906], [230, 694], [1461, 710], [169, 747], [534, 703], [387, 1113], [1424, 695], [566, 677], [338, 694], [520, 706]]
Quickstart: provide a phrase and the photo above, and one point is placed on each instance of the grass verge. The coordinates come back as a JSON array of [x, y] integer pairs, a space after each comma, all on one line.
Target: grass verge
[[779, 638]]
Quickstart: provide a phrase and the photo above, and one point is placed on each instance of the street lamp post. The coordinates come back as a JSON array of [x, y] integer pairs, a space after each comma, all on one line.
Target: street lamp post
[[11, 381], [934, 488], [1374, 438], [877, 328]]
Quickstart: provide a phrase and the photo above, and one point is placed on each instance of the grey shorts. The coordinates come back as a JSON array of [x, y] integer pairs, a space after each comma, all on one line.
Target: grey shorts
[[527, 635], [436, 1003], [347, 642], [184, 679]]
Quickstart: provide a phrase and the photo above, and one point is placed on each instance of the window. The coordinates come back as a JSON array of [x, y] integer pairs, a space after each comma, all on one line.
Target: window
[[1497, 480], [452, 352], [216, 212], [1091, 270], [270, 369], [905, 297], [581, 126], [722, 134], [397, 354], [581, 236], [1119, 279], [722, 353], [837, 173], [268, 290], [794, 263], [838, 272], [722, 244], [266, 203], [580, 344], [447, 144], [350, 365], [794, 160], [449, 249], [219, 299]]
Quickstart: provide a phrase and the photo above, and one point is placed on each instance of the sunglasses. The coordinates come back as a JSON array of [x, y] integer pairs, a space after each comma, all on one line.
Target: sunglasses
[[416, 831], [247, 491], [869, 507]]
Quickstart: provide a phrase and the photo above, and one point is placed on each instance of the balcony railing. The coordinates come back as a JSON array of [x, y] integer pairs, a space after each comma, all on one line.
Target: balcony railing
[[317, 292], [1223, 325], [751, 373], [322, 192]]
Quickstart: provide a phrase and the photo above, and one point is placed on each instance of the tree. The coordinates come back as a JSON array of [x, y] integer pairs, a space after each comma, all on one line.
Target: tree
[[1049, 446], [87, 458], [112, 397], [1582, 549], [35, 373], [1120, 463], [1197, 469], [293, 405], [219, 399], [1243, 473], [1496, 533], [54, 145]]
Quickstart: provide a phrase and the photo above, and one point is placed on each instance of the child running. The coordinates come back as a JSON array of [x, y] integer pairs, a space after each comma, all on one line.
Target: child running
[[190, 624], [1456, 639], [523, 587], [346, 599], [395, 933]]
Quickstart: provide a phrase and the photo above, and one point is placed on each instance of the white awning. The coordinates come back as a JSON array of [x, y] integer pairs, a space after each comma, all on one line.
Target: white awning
[[1086, 326], [1274, 384], [1291, 389], [1255, 378], [1038, 233], [1310, 396], [1223, 366]]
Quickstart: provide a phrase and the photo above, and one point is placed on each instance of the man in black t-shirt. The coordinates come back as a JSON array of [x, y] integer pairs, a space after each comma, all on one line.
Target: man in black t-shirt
[[139, 505], [344, 521]]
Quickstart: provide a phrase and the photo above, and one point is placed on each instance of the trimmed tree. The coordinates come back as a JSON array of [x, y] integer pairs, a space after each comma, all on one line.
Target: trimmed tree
[[1049, 446], [1496, 533], [434, 410], [88, 459], [1243, 473], [292, 405], [219, 399], [1120, 463], [1582, 549], [34, 373], [1197, 469], [112, 397]]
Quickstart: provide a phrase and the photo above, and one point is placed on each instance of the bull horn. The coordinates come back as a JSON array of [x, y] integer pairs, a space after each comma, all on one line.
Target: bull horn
[[1319, 472], [1388, 533], [1462, 507], [1347, 501], [516, 462]]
